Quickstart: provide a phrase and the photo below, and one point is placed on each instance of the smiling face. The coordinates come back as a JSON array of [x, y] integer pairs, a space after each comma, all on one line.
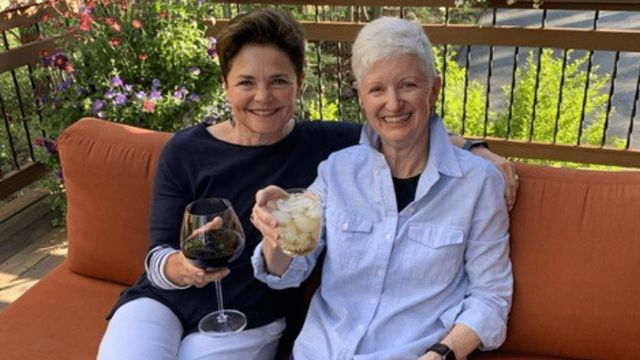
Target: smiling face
[[397, 95], [262, 88]]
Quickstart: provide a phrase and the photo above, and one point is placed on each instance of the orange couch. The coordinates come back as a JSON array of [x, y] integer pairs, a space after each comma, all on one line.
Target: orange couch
[[575, 251]]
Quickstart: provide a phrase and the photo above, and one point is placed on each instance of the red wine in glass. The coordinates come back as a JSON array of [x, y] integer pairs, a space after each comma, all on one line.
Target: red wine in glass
[[212, 237]]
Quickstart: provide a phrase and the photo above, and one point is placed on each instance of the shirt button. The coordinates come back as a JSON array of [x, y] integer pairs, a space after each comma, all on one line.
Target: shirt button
[[360, 328], [380, 272], [345, 226], [388, 236], [373, 300]]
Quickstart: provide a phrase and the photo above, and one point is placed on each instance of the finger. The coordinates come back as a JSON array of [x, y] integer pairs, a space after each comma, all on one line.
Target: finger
[[214, 224], [216, 275]]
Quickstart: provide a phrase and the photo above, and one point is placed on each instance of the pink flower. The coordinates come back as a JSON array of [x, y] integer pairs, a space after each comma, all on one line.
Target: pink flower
[[136, 24], [85, 22], [148, 107]]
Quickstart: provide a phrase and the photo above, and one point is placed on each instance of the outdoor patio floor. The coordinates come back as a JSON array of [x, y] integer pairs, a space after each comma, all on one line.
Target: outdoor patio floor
[[29, 256]]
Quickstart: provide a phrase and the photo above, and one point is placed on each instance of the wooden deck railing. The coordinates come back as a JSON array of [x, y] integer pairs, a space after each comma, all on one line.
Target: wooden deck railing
[[620, 43]]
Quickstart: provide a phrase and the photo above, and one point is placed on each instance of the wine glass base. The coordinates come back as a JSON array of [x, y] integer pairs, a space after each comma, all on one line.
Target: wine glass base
[[221, 323]]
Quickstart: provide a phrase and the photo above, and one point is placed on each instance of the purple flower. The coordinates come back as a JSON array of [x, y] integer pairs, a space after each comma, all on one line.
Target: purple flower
[[97, 105], [51, 147], [180, 92], [140, 95], [155, 83], [100, 114], [121, 99], [193, 97], [128, 88], [155, 95], [116, 81], [212, 52], [61, 86], [81, 91], [195, 70], [47, 61], [110, 94], [58, 176]]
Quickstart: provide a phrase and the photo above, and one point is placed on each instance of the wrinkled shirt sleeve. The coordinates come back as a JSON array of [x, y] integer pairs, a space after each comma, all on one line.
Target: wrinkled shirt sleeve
[[488, 299]]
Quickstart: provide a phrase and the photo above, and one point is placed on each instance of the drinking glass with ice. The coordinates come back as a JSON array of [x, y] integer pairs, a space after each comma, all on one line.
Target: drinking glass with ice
[[299, 221]]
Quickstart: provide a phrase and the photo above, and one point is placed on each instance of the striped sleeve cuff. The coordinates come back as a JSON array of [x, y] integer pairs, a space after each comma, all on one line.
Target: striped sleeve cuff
[[155, 263]]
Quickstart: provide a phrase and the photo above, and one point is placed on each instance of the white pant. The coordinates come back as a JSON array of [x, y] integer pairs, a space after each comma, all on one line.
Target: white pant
[[145, 329]]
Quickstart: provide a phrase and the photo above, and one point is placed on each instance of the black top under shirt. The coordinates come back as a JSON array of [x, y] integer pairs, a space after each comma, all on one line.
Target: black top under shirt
[[405, 190], [194, 165]]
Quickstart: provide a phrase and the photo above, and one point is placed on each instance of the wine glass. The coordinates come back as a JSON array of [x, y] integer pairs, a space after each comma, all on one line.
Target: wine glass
[[212, 245], [299, 219]]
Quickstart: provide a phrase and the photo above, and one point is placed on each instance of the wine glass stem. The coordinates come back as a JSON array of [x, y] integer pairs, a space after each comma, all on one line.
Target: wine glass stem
[[221, 315]]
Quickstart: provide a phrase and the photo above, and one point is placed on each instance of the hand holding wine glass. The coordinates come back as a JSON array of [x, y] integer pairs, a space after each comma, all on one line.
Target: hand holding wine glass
[[211, 237]]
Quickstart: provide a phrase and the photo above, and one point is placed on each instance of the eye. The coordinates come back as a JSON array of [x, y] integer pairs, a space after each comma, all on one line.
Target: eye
[[280, 81], [244, 82], [375, 89]]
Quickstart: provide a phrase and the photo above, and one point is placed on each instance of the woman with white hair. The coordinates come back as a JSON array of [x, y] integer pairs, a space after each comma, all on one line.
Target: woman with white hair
[[416, 231]]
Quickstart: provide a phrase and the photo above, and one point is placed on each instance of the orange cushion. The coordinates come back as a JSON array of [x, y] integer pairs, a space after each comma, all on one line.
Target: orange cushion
[[61, 317], [575, 248], [108, 170]]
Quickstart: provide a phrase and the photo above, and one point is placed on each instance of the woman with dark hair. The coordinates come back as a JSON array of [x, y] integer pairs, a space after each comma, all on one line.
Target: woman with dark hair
[[262, 59]]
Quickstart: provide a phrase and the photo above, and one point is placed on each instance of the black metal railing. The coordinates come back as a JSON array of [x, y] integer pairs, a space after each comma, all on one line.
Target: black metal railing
[[484, 65]]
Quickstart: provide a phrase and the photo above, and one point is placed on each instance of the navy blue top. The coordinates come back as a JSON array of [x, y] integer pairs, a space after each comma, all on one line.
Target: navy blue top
[[194, 165]]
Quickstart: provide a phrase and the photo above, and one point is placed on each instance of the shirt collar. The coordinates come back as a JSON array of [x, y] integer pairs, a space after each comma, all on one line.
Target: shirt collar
[[442, 158]]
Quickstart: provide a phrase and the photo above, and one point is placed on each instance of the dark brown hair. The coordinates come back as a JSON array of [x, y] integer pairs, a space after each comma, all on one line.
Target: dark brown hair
[[266, 26]]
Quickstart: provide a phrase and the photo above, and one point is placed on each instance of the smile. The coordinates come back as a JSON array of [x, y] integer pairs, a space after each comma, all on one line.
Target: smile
[[396, 119], [264, 112]]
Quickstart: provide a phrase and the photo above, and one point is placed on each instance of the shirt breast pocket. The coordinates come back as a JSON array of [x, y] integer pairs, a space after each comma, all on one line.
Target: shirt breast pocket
[[439, 247], [347, 236]]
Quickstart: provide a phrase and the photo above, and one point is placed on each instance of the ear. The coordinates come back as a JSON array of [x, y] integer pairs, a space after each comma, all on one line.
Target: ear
[[300, 81], [435, 90]]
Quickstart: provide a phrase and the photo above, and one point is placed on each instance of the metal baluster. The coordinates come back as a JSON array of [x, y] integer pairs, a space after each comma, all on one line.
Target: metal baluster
[[33, 84], [339, 64], [14, 154], [614, 75], [444, 67], [466, 89], [633, 112], [487, 100], [564, 67], [319, 70], [537, 83], [20, 102], [586, 85], [516, 53]]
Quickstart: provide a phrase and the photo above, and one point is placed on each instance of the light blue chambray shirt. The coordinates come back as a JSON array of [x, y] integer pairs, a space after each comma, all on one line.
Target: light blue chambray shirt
[[393, 284]]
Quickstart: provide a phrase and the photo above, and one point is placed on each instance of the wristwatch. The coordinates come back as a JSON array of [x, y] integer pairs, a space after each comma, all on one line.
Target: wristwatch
[[470, 144], [444, 351]]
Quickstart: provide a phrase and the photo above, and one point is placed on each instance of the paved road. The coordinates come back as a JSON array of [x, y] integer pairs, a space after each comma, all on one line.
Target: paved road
[[628, 66]]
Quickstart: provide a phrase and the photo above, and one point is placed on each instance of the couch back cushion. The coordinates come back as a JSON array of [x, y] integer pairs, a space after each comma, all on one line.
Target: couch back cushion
[[575, 247], [108, 171]]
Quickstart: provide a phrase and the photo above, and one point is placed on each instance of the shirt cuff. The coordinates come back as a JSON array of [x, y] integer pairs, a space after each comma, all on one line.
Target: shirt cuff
[[490, 327], [294, 275], [154, 265]]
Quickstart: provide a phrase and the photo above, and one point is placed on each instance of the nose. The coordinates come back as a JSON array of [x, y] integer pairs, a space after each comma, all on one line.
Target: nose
[[394, 102], [263, 92]]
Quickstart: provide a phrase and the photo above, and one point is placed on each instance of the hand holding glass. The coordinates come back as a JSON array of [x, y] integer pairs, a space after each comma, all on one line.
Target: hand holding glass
[[299, 219], [213, 247]]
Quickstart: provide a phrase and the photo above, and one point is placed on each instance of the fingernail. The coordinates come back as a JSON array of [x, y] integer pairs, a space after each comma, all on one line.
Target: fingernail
[[200, 274]]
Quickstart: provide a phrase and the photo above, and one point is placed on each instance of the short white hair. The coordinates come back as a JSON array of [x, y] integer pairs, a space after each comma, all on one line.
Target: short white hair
[[388, 36]]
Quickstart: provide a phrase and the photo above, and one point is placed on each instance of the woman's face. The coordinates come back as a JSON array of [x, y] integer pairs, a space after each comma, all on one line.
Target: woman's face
[[262, 88], [397, 95]]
